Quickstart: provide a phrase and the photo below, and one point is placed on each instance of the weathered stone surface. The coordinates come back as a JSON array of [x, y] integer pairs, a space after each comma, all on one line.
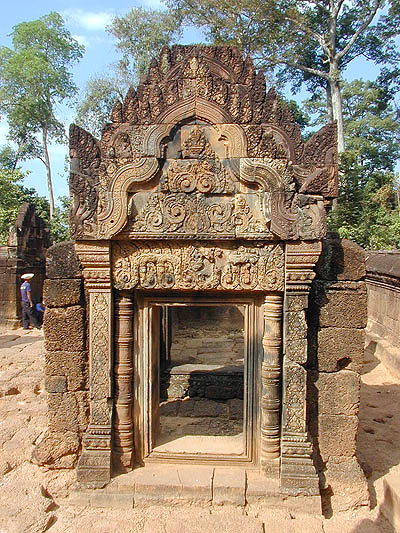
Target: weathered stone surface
[[62, 261], [341, 259], [64, 329], [335, 435], [68, 411], [340, 348], [62, 292], [72, 365], [334, 393], [341, 305], [229, 486], [56, 384], [347, 482], [57, 450]]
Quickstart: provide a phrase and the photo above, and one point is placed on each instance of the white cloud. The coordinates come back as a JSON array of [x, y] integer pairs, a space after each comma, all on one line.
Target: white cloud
[[89, 20], [82, 40]]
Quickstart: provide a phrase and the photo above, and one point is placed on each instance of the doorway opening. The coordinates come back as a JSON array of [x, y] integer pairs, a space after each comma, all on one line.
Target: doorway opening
[[201, 365], [201, 380]]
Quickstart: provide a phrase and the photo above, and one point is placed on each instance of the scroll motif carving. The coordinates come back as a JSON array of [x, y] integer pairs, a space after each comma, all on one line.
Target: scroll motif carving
[[156, 265], [294, 400]]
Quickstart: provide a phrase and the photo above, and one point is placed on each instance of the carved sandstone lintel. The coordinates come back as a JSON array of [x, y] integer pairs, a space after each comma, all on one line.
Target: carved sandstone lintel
[[123, 375], [94, 468], [174, 265], [298, 475], [271, 376]]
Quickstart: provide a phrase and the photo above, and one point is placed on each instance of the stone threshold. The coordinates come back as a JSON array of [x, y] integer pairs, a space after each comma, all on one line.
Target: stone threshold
[[158, 484]]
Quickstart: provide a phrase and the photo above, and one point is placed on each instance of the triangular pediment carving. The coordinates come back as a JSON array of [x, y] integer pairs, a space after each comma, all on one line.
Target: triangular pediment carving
[[200, 135]]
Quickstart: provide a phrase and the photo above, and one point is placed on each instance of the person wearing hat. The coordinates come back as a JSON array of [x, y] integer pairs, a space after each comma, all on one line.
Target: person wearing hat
[[28, 309]]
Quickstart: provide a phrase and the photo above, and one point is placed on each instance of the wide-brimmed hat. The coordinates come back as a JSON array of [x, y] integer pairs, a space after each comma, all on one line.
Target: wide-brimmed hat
[[27, 276]]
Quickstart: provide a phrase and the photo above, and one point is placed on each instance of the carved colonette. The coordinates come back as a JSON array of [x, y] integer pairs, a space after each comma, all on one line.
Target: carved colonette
[[271, 383], [123, 374], [94, 467], [297, 468]]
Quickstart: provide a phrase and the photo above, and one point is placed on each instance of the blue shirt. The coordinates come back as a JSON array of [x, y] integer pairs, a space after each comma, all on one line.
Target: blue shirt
[[25, 288]]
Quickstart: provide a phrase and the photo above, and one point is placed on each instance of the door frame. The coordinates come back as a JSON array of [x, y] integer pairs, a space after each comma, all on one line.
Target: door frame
[[145, 303]]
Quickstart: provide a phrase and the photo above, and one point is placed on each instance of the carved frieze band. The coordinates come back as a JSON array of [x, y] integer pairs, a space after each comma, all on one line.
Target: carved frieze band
[[123, 379], [271, 377], [161, 265]]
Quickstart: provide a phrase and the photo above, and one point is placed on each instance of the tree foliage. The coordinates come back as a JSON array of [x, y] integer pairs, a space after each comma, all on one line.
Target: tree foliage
[[94, 109], [34, 78], [140, 36], [368, 209]]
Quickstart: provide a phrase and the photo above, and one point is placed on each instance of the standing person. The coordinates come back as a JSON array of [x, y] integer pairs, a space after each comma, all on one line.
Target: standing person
[[28, 309]]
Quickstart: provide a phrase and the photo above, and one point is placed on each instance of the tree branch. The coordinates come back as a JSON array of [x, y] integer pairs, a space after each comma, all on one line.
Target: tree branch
[[313, 71], [319, 38], [362, 28]]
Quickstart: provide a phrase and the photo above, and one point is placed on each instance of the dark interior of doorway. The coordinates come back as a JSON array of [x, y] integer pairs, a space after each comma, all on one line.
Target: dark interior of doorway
[[201, 385]]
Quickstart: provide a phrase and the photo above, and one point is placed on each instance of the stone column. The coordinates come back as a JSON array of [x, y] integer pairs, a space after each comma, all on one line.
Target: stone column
[[123, 393], [271, 377], [94, 466], [298, 475]]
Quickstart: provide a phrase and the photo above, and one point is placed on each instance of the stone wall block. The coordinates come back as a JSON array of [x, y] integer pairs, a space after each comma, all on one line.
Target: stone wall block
[[56, 384], [64, 329], [72, 365], [62, 261], [340, 348], [341, 304], [341, 260], [57, 450], [335, 435], [62, 292], [68, 411], [335, 393]]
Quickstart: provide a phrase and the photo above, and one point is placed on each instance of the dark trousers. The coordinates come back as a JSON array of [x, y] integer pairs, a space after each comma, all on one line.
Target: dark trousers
[[28, 316]]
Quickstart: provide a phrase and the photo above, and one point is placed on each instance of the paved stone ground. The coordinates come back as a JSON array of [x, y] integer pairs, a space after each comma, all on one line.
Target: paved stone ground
[[35, 500]]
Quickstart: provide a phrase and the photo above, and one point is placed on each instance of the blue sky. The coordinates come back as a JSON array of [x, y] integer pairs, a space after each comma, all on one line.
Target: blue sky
[[86, 21]]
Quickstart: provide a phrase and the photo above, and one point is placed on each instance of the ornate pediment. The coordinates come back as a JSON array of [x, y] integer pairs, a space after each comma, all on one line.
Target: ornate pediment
[[200, 150]]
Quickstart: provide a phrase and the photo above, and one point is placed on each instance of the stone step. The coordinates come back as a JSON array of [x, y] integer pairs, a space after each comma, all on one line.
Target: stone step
[[159, 484]]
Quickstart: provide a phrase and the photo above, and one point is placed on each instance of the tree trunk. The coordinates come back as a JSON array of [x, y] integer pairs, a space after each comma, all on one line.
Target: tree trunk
[[337, 111], [48, 171], [329, 103]]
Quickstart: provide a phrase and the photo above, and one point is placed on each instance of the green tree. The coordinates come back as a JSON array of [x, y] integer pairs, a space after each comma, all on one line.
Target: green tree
[[368, 210], [34, 79], [140, 36], [94, 109], [309, 42], [59, 224]]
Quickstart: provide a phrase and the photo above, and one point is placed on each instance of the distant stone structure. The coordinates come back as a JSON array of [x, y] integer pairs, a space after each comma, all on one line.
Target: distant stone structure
[[202, 193], [383, 282], [25, 251]]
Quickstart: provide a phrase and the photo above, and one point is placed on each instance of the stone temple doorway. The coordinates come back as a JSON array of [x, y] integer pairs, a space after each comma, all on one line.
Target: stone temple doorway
[[196, 380], [200, 185]]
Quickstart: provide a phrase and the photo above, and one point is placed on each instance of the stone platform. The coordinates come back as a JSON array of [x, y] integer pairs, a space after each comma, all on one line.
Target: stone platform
[[158, 484]]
